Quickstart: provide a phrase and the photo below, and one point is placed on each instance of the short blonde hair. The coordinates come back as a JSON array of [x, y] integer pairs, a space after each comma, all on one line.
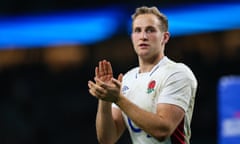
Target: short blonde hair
[[152, 10]]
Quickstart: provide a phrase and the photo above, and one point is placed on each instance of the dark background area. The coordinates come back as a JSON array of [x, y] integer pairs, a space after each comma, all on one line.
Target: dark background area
[[16, 7], [44, 94]]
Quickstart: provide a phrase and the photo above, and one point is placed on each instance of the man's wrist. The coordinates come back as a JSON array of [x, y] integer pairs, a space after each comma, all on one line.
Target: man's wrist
[[118, 99]]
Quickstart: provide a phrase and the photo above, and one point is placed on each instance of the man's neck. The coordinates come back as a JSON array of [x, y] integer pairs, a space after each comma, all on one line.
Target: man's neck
[[147, 65]]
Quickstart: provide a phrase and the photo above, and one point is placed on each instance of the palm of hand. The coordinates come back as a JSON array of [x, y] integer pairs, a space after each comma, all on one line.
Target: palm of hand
[[104, 71], [106, 78]]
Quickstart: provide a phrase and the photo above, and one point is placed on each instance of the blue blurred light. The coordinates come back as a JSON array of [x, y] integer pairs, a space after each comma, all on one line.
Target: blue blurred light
[[69, 28], [89, 27], [201, 18]]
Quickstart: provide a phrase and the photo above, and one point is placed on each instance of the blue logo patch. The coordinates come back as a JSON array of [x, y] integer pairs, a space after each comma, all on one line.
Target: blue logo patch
[[124, 88]]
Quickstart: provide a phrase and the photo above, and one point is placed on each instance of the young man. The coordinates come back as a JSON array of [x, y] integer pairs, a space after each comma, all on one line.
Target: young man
[[154, 101]]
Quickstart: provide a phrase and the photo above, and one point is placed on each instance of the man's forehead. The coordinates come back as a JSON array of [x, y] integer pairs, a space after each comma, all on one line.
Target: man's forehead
[[146, 20]]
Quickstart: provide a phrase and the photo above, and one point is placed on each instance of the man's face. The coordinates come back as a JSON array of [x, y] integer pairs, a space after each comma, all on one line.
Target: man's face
[[147, 38]]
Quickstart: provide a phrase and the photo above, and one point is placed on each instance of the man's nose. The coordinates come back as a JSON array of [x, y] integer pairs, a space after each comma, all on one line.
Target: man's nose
[[144, 35]]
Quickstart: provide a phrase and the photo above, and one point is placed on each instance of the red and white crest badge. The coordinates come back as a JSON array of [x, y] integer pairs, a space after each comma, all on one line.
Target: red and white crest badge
[[151, 86]]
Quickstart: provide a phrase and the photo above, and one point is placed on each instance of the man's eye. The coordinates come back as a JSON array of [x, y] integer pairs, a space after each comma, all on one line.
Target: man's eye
[[137, 30], [150, 30]]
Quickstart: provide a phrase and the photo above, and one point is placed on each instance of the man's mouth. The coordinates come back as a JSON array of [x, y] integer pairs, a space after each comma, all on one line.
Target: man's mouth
[[143, 45]]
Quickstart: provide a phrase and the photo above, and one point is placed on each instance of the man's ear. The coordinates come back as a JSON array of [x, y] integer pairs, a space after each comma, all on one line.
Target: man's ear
[[166, 36]]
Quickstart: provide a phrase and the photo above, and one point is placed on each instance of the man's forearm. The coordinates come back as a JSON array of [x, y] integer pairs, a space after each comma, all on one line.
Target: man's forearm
[[105, 126], [148, 121]]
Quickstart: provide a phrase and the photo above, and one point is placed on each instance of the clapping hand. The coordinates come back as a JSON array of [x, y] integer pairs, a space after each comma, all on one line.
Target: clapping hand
[[105, 86]]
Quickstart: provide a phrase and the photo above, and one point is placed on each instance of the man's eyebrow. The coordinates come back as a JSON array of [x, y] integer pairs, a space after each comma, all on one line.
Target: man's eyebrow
[[150, 26], [134, 28]]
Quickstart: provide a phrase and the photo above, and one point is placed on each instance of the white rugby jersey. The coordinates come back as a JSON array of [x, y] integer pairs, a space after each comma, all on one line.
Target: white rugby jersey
[[168, 82]]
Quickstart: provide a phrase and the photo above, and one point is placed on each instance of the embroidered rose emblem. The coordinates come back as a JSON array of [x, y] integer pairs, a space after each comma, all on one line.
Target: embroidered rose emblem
[[151, 86]]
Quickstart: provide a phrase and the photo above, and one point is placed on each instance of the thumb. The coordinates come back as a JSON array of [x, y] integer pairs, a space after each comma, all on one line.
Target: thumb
[[116, 82], [120, 77]]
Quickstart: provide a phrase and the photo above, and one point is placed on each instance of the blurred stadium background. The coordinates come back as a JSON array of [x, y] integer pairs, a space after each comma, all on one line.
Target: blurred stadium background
[[49, 49]]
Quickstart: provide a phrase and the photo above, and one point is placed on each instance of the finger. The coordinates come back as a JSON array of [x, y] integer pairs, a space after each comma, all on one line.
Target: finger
[[120, 77], [99, 82], [101, 70], [95, 79], [103, 85], [91, 88], [97, 72], [95, 93], [109, 68], [116, 82], [92, 92], [105, 67], [96, 90], [90, 84]]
